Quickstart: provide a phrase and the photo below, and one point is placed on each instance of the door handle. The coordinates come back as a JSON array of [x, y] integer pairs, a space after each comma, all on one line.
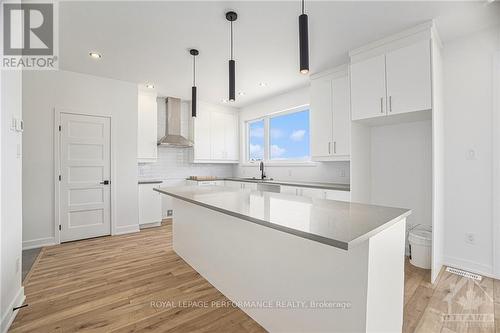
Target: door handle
[[335, 147], [329, 150], [104, 182]]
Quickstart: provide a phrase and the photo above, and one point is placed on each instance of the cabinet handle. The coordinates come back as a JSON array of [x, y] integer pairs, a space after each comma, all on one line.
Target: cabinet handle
[[390, 103], [381, 105], [329, 149], [335, 147]]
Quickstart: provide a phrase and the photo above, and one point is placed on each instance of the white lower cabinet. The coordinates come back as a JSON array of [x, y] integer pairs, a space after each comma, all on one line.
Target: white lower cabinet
[[241, 185], [317, 193], [149, 204], [338, 195]]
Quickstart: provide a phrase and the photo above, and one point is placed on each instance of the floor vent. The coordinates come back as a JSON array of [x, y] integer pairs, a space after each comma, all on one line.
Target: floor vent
[[464, 273]]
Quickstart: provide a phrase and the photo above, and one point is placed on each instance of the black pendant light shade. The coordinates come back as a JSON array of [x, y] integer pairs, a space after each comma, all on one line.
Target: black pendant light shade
[[231, 80], [303, 42], [231, 17], [194, 53]]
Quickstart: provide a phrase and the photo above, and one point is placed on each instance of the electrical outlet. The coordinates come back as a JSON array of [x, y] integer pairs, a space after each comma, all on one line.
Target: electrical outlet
[[169, 212], [470, 238]]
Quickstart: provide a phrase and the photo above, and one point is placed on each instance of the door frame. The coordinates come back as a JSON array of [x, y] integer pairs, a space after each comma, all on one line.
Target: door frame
[[57, 168], [496, 165]]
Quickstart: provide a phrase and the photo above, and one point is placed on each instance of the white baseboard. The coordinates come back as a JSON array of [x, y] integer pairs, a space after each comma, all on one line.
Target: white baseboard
[[149, 225], [470, 266], [126, 229], [40, 242], [8, 317]]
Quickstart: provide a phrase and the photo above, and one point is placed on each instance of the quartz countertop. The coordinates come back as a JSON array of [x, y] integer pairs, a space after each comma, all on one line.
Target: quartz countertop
[[336, 223], [321, 185]]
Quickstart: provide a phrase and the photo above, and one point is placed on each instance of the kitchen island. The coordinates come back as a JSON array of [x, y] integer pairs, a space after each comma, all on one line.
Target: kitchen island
[[292, 263]]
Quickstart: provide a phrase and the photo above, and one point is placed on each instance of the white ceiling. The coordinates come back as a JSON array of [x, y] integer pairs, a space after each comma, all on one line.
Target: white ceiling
[[149, 41]]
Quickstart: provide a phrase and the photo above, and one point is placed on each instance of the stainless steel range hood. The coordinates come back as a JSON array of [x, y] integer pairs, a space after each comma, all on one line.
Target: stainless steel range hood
[[173, 137]]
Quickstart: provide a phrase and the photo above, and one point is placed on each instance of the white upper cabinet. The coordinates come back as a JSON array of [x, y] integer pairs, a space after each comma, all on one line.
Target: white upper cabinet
[[321, 116], [409, 78], [330, 117], [341, 117], [394, 82], [215, 135], [368, 92], [147, 127], [201, 135]]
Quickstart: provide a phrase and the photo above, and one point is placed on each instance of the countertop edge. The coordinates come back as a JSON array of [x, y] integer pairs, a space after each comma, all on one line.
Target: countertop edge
[[323, 240], [339, 187]]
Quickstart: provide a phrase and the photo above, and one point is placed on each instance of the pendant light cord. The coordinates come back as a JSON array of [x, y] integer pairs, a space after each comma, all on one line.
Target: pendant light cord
[[303, 5], [231, 40], [194, 71]]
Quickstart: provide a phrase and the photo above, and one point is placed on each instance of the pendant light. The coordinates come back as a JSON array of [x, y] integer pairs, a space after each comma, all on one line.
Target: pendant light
[[194, 53], [303, 42], [231, 17]]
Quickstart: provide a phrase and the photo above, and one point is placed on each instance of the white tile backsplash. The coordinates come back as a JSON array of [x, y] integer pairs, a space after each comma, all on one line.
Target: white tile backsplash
[[175, 164]]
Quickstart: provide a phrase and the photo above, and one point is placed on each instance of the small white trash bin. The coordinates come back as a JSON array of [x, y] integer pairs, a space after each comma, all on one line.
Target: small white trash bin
[[420, 240]]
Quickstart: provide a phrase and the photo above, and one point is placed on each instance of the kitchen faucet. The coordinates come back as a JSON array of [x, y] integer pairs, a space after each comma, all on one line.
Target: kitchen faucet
[[261, 167]]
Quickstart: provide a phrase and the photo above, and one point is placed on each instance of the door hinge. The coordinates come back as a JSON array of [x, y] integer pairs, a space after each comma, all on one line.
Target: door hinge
[[59, 227], [59, 177], [60, 128]]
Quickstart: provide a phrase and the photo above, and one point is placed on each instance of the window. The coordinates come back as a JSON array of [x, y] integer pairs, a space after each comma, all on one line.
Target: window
[[280, 137], [256, 140]]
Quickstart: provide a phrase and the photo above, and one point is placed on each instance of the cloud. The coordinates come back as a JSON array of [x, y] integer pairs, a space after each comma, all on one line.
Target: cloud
[[276, 133], [256, 151], [297, 135], [277, 151], [257, 132]]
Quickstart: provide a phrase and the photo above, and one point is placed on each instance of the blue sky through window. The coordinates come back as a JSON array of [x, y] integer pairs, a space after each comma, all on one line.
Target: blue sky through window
[[256, 140], [289, 136]]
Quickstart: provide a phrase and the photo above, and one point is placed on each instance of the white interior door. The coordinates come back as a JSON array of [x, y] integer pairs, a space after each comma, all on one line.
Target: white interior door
[[85, 176]]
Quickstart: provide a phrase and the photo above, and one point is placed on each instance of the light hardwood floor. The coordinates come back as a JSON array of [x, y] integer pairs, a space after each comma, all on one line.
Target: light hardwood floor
[[108, 284]]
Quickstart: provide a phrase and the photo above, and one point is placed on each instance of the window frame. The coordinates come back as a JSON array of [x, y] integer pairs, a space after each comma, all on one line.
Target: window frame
[[267, 139]]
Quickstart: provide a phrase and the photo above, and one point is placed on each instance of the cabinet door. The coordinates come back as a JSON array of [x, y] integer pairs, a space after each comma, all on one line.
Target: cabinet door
[[312, 192], [233, 184], [409, 78], [149, 204], [250, 186], [231, 138], [288, 190], [341, 117], [338, 195], [321, 117], [368, 93], [217, 135], [202, 135], [147, 127]]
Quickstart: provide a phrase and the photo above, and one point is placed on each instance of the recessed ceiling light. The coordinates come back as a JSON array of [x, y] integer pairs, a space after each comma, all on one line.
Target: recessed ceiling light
[[150, 86], [241, 93], [262, 84], [95, 55]]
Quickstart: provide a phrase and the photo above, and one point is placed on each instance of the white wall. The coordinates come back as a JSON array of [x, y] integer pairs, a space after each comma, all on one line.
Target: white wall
[[401, 168], [42, 92], [468, 102], [335, 172], [11, 291]]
